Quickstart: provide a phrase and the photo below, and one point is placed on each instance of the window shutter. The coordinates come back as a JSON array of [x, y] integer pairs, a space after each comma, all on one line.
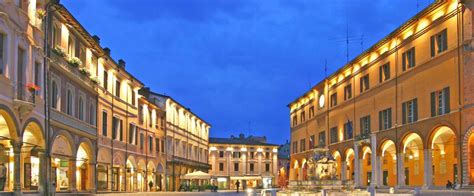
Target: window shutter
[[446, 100], [433, 104], [404, 113], [361, 84], [413, 56], [361, 125], [380, 121], [432, 46], [368, 125], [404, 61], [415, 110], [121, 130], [380, 74], [389, 113], [445, 39], [387, 74]]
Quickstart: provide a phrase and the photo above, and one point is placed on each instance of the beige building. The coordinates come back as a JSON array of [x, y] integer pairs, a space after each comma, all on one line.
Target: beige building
[[187, 141], [399, 114], [250, 160]]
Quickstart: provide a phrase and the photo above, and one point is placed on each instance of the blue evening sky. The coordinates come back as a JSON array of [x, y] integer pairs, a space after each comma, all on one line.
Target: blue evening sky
[[238, 63]]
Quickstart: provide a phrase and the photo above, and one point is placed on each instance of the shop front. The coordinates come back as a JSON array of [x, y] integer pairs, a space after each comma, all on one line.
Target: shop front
[[62, 164], [246, 181]]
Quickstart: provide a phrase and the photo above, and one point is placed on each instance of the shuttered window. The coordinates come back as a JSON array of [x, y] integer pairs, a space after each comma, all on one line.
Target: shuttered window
[[410, 111], [348, 130], [364, 83], [348, 92], [322, 139], [439, 42], [408, 59], [384, 72], [365, 125], [333, 99], [385, 119], [440, 102], [333, 132]]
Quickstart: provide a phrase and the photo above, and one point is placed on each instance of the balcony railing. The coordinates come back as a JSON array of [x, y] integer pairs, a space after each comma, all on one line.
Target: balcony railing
[[25, 93]]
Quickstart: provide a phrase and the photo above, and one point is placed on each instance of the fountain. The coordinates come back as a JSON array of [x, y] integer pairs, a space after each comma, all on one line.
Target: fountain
[[321, 178]]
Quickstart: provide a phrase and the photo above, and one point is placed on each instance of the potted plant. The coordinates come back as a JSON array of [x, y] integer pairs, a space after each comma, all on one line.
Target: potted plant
[[94, 80], [32, 88], [59, 51], [74, 62], [84, 71]]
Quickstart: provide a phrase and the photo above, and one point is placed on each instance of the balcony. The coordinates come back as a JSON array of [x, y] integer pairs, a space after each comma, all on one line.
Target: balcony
[[363, 138], [24, 99], [82, 77]]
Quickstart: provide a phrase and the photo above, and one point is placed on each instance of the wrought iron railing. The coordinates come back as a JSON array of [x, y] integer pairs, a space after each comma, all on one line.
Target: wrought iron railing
[[25, 93]]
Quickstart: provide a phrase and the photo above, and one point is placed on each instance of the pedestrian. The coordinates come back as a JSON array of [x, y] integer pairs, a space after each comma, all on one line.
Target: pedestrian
[[237, 185], [3, 175], [449, 185]]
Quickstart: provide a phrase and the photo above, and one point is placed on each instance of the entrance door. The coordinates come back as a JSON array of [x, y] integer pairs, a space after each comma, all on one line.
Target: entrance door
[[407, 176], [83, 178], [385, 178]]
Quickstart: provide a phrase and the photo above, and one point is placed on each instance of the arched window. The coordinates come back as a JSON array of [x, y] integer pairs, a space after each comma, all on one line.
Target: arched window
[[81, 108], [69, 101], [54, 95], [92, 114]]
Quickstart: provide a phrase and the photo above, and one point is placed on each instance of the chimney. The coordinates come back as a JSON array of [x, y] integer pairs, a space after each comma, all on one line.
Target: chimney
[[121, 63], [96, 39], [107, 51]]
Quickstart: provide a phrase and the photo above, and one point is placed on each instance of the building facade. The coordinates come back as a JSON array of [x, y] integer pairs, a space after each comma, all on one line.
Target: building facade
[[250, 160], [400, 114], [283, 164]]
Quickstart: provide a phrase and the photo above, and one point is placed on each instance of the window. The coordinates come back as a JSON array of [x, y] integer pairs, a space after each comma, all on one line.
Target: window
[[251, 167], [56, 36], [2, 56], [311, 112], [333, 99], [221, 166], [408, 59], [104, 123], [348, 92], [333, 132], [267, 167], [117, 88], [105, 81], [365, 125], [251, 155], [150, 143], [236, 167], [348, 130], [410, 111], [140, 114], [267, 155], [81, 106], [302, 145], [150, 118], [385, 119], [364, 83], [384, 72], [82, 53], [54, 95], [440, 103], [69, 102], [311, 142], [37, 75], [236, 155], [439, 42], [117, 128], [92, 114], [303, 117], [295, 147], [322, 139], [132, 132], [70, 46], [133, 96], [162, 146], [142, 141], [157, 145], [295, 120], [221, 154]]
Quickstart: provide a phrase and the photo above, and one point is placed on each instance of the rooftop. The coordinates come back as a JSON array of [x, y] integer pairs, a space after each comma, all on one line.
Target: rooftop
[[249, 140]]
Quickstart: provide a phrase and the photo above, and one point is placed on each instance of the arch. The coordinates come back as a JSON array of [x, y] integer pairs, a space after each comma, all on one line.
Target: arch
[[338, 159], [87, 143], [348, 152], [413, 161], [468, 151], [388, 163], [118, 159], [84, 158], [33, 133], [349, 158], [8, 121], [150, 166], [63, 144], [443, 145], [366, 167], [131, 162], [33, 142], [141, 175], [159, 168]]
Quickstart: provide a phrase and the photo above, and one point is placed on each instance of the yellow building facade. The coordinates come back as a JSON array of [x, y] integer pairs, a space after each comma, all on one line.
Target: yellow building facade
[[399, 114]]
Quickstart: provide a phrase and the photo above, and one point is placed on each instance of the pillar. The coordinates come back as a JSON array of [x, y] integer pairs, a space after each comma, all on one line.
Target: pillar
[[92, 178], [428, 172], [42, 171], [344, 170], [374, 181], [357, 170], [72, 177], [400, 170], [16, 166]]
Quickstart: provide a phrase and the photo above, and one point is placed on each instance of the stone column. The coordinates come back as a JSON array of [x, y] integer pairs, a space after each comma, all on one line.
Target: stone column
[[344, 170], [72, 175], [42, 171], [400, 170], [92, 178], [357, 170], [427, 173], [16, 166], [374, 181]]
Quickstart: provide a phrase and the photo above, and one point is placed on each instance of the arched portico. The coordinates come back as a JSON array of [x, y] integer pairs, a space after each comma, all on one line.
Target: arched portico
[[131, 171], [85, 175], [349, 164], [10, 148], [443, 147], [62, 162], [150, 176], [388, 163], [32, 156], [413, 160], [141, 172], [366, 173], [160, 177], [337, 157]]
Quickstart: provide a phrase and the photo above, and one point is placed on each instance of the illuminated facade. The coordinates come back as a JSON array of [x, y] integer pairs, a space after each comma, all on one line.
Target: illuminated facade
[[400, 114], [250, 160], [22, 99], [187, 141]]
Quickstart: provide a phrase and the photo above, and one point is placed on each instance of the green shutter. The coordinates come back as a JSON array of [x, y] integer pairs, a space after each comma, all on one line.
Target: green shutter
[[445, 39], [380, 120], [446, 100], [368, 124], [433, 104], [389, 113], [404, 113], [413, 56], [381, 74], [432, 46], [404, 61], [415, 110]]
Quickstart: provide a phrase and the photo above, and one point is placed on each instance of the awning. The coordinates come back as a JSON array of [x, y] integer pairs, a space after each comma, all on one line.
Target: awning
[[246, 177], [198, 175]]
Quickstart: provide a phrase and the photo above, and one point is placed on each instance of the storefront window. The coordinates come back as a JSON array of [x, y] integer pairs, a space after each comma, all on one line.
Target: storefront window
[[31, 171], [61, 174], [6, 164], [102, 177]]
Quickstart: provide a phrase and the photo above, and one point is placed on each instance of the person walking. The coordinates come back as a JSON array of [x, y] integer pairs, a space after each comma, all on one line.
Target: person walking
[[3, 176], [237, 185]]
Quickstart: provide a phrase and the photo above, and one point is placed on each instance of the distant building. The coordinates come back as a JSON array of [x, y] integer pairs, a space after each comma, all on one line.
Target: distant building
[[283, 164], [250, 160]]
